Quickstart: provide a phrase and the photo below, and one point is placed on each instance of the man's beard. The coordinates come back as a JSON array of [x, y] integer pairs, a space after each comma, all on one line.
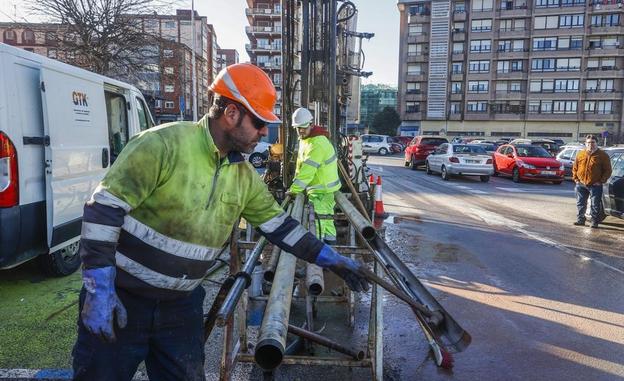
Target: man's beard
[[235, 143]]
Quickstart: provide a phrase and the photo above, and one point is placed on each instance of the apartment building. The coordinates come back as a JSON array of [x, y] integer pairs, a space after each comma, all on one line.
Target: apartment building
[[265, 40], [226, 57], [512, 68]]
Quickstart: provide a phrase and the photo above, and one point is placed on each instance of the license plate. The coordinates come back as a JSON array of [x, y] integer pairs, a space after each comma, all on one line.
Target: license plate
[[549, 173], [472, 161]]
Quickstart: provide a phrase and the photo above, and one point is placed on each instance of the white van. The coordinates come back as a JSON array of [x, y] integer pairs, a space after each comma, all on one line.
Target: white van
[[61, 127]]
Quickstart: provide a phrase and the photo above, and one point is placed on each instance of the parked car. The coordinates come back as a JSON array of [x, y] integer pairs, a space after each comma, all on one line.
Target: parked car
[[396, 147], [488, 147], [403, 140], [567, 156], [613, 189], [547, 144], [381, 144], [420, 147], [460, 159], [260, 155], [527, 162], [559, 142]]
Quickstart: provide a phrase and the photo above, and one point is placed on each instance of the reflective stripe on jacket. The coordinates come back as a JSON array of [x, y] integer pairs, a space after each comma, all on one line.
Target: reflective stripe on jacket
[[167, 206], [317, 167]]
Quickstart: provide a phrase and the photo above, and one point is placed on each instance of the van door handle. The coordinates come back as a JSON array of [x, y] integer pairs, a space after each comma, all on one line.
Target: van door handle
[[104, 157]]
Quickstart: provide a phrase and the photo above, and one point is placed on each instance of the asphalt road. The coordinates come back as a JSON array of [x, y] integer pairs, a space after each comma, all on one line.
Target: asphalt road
[[542, 299]]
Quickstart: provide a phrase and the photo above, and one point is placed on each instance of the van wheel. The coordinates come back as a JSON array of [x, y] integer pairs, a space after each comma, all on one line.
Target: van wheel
[[515, 176], [256, 159], [62, 262], [445, 175], [383, 151], [484, 179]]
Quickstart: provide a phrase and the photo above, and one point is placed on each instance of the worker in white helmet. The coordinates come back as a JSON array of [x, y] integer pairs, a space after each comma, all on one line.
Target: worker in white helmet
[[316, 172]]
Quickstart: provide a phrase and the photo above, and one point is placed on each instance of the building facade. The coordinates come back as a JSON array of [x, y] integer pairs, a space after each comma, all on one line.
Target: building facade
[[373, 99], [512, 68], [226, 57], [265, 40]]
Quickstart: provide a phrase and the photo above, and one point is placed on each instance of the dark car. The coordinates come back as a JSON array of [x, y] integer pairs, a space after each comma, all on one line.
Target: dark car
[[613, 189], [419, 148], [403, 140]]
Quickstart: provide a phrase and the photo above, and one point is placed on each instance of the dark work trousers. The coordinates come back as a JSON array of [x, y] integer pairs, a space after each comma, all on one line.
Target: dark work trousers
[[167, 335], [583, 192]]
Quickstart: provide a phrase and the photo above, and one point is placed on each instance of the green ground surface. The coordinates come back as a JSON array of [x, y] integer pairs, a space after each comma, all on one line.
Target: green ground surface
[[27, 299]]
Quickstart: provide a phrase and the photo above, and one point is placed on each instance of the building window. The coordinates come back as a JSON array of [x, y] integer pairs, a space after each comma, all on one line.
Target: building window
[[169, 104], [568, 64], [484, 25], [455, 108], [414, 69], [167, 53], [169, 88], [482, 5], [508, 25], [415, 49], [589, 107], [412, 107], [9, 37], [571, 21], [480, 46], [419, 10], [458, 27], [546, 22], [604, 107], [457, 67], [413, 88], [566, 85], [460, 7], [515, 87], [478, 87], [28, 37], [169, 24], [456, 87], [479, 66], [458, 47], [478, 107], [563, 107], [415, 29], [168, 70], [545, 43], [543, 64]]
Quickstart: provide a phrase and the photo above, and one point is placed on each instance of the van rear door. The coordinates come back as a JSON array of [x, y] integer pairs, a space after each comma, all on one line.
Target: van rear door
[[77, 155]]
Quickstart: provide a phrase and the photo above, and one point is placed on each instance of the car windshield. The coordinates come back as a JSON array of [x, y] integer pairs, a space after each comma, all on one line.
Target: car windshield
[[532, 151], [487, 146], [470, 148], [433, 141]]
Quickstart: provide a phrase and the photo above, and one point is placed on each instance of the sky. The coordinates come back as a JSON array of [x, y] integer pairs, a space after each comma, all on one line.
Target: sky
[[380, 17]]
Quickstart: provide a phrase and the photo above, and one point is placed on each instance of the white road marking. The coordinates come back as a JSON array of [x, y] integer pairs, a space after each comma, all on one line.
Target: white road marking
[[513, 190], [476, 191]]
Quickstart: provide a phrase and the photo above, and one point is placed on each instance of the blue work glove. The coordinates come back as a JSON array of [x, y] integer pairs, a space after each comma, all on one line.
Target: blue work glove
[[101, 303], [344, 267]]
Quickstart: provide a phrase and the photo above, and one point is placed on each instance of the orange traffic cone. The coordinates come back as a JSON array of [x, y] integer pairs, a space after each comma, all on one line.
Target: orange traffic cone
[[379, 207]]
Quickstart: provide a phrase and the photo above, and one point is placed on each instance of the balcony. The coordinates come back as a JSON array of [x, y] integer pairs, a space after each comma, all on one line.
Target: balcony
[[416, 38], [609, 116], [513, 33], [515, 11], [458, 56], [477, 96], [604, 51], [484, 12], [598, 94], [415, 96], [457, 76], [457, 96], [455, 115], [507, 116], [270, 65], [263, 30], [421, 17], [508, 74], [459, 35], [477, 115], [605, 72], [413, 116], [268, 12], [552, 116], [268, 48], [567, 8], [415, 77], [518, 53], [555, 95], [459, 15], [605, 29], [604, 6], [417, 57], [510, 95]]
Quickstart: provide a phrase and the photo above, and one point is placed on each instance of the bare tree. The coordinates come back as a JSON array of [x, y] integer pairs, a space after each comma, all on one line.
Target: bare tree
[[105, 36]]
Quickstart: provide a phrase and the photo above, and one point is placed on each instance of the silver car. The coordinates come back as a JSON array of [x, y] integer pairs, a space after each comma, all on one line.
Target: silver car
[[460, 159]]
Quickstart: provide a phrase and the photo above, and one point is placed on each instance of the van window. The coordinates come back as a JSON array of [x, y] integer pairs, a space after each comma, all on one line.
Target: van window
[[117, 123], [566, 154], [144, 120], [618, 166]]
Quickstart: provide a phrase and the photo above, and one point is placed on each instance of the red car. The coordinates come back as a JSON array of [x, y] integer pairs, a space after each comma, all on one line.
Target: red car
[[419, 148], [527, 162]]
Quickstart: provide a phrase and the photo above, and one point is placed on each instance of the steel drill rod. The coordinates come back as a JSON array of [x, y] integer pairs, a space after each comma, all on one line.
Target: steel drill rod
[[322, 340], [315, 280], [240, 283], [269, 273], [272, 339], [361, 223], [354, 193]]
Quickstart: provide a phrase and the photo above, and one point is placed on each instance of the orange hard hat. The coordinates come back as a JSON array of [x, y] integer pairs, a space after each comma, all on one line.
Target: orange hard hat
[[249, 85]]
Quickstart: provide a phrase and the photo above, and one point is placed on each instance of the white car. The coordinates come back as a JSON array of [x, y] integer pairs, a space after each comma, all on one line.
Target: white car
[[380, 144], [260, 155], [460, 159]]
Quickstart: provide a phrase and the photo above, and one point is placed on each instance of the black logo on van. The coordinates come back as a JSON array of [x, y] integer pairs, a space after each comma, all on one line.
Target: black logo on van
[[80, 99]]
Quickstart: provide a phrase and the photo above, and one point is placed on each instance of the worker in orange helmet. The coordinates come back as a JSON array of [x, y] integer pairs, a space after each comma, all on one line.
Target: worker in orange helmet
[[155, 223]]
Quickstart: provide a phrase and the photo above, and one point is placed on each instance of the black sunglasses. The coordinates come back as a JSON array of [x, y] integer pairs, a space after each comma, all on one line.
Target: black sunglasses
[[257, 122]]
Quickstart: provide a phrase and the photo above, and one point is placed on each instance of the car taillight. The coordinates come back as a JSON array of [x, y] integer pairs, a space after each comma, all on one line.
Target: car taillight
[[489, 161], [9, 190], [453, 159]]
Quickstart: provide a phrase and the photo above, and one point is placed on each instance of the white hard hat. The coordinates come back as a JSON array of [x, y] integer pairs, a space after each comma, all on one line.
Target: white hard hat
[[302, 117]]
